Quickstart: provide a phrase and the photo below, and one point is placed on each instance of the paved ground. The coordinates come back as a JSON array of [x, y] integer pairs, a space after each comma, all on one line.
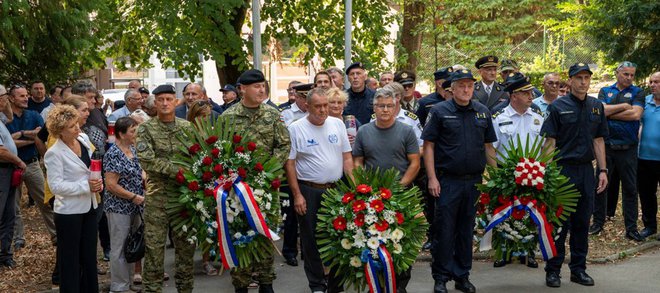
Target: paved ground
[[638, 274]]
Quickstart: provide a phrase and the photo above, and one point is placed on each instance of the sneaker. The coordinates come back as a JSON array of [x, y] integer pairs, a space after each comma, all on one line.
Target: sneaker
[[106, 255], [137, 279], [209, 269]]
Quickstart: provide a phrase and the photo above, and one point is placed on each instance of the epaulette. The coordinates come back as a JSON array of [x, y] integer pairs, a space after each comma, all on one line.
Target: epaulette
[[284, 108], [498, 113], [373, 116], [537, 111], [477, 85], [410, 114]]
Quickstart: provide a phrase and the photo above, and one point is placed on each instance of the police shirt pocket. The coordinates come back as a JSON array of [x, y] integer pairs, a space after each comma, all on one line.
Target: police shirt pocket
[[568, 118], [452, 128]]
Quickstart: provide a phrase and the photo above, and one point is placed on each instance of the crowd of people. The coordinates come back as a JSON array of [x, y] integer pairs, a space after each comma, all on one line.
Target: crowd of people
[[440, 143]]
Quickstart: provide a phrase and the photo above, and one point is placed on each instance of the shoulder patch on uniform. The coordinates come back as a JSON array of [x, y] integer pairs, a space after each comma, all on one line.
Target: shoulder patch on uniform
[[373, 116], [498, 88], [284, 108], [410, 114], [505, 123], [537, 111], [141, 146], [477, 86], [498, 113], [281, 118]]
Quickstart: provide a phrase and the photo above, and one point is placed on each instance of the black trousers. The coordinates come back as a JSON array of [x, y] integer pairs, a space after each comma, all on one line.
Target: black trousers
[[647, 185], [7, 213], [622, 165], [454, 225], [290, 241], [76, 251], [584, 178]]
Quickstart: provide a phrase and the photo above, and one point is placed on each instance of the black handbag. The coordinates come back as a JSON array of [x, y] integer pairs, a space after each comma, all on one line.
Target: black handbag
[[134, 245]]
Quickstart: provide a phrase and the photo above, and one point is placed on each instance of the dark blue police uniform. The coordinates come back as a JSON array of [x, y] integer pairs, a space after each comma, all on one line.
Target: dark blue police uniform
[[574, 124], [360, 104], [425, 105], [459, 134]]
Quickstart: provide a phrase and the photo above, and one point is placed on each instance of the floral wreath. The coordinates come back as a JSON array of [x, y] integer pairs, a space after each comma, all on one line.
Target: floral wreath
[[524, 202], [370, 229], [221, 167]]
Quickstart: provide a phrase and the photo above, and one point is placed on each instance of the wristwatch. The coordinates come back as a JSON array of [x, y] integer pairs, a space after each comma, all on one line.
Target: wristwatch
[[604, 170]]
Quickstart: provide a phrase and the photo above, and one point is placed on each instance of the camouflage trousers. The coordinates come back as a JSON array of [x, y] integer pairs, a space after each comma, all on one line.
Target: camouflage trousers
[[264, 273], [156, 224]]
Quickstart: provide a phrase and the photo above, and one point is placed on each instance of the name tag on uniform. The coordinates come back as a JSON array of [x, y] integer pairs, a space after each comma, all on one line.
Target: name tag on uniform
[[449, 117], [566, 112], [505, 123]]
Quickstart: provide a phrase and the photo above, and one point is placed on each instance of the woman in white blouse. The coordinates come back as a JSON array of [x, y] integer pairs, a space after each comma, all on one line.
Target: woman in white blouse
[[75, 206]]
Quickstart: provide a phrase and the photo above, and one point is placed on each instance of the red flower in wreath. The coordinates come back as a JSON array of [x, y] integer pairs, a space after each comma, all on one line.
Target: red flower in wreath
[[251, 146], [363, 188], [179, 177], [484, 199], [339, 223], [193, 186], [518, 214], [194, 149], [560, 210], [524, 200], [539, 186], [227, 185], [359, 205], [385, 193], [542, 208], [239, 149], [207, 176], [275, 184], [215, 152], [399, 218], [207, 161], [208, 192], [218, 169], [211, 140], [242, 172], [377, 205], [348, 197], [359, 220], [382, 226], [237, 138], [503, 199], [258, 167]]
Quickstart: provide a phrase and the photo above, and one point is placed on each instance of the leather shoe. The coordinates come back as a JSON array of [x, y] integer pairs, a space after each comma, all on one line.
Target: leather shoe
[[552, 279], [646, 232], [582, 278], [531, 262], [439, 287], [499, 263], [266, 288], [292, 261], [634, 235], [464, 285], [241, 290], [427, 245], [10, 263], [595, 229]]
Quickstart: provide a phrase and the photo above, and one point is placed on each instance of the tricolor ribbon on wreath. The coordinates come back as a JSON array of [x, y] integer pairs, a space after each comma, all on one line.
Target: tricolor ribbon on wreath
[[546, 242], [371, 271], [252, 212]]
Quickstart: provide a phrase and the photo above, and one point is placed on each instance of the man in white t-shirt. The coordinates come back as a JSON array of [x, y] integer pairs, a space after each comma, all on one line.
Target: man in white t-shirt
[[320, 155]]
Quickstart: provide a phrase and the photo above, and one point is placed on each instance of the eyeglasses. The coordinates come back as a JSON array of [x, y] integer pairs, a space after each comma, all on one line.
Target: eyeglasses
[[385, 106], [626, 64], [552, 83]]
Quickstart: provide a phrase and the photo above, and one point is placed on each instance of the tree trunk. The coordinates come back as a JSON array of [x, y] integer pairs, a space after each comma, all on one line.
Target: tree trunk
[[413, 14], [230, 72]]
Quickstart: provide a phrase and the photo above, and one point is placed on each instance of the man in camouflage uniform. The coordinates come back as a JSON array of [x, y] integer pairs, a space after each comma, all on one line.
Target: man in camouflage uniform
[[267, 129], [156, 145]]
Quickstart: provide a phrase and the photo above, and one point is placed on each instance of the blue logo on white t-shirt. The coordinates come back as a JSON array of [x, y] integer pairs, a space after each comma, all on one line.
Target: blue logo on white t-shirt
[[312, 142], [333, 138]]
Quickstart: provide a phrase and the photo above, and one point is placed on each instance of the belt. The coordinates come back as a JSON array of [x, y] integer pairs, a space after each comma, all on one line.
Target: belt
[[29, 161], [317, 185], [620, 147]]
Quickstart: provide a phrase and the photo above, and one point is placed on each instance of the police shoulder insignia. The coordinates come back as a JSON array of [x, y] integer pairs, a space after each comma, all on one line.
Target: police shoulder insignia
[[141, 146], [373, 116], [411, 115], [537, 111], [498, 113], [498, 88]]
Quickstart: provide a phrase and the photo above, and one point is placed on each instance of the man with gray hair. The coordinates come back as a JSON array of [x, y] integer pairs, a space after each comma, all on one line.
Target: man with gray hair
[[133, 100], [337, 76], [550, 92]]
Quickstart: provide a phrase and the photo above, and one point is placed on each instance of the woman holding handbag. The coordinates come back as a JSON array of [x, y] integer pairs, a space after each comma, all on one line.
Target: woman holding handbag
[[124, 199]]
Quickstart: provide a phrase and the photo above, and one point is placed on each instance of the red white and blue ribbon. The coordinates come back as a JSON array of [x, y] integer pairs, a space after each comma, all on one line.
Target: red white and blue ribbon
[[227, 252], [546, 242], [252, 212], [389, 276]]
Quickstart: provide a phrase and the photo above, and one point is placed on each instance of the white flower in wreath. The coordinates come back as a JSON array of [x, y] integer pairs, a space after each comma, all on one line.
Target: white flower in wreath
[[268, 206], [230, 218], [286, 203], [209, 230], [373, 243], [191, 241], [269, 196], [370, 219], [351, 226], [184, 228], [258, 192], [209, 240], [372, 230], [359, 239], [356, 262], [199, 206], [397, 248], [396, 235], [283, 217], [194, 238], [346, 244], [214, 224], [237, 235], [370, 210], [250, 233]]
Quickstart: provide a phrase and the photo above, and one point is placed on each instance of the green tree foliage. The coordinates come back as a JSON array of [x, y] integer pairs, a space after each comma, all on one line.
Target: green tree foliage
[[623, 30], [49, 40]]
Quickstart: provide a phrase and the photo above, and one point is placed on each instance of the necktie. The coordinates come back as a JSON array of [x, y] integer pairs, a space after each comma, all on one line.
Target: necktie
[[488, 89]]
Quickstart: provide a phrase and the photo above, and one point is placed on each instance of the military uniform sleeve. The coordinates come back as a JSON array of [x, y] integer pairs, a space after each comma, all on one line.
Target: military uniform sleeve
[[149, 162], [550, 126], [282, 143], [432, 128]]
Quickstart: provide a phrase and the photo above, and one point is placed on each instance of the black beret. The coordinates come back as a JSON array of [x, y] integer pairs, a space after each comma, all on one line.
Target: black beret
[[405, 77], [303, 88], [229, 88], [577, 68], [486, 61], [353, 66], [443, 73], [517, 82], [143, 90], [462, 74], [164, 89], [251, 76]]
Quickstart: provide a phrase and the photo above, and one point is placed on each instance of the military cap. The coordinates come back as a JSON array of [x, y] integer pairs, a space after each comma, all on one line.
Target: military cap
[[509, 64], [3, 90], [229, 88], [251, 76], [443, 73], [517, 82], [462, 74], [577, 68], [164, 89], [303, 89], [353, 66], [447, 84], [405, 77], [143, 90], [486, 61]]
